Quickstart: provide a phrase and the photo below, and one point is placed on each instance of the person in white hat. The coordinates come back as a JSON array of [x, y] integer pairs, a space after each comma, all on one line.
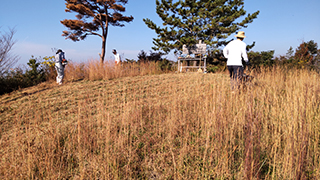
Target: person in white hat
[[234, 52]]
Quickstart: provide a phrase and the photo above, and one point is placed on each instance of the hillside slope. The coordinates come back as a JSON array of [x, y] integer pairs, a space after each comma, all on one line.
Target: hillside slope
[[170, 126]]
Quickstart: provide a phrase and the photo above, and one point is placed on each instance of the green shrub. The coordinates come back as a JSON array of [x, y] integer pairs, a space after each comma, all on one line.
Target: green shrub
[[17, 78], [36, 75], [12, 80], [263, 58], [48, 65], [165, 65], [212, 68]]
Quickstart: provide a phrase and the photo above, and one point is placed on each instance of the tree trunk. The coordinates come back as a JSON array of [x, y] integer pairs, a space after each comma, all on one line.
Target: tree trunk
[[104, 42], [103, 50]]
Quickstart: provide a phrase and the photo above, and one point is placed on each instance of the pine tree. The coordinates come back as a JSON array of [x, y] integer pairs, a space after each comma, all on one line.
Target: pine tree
[[188, 21], [102, 12], [289, 53]]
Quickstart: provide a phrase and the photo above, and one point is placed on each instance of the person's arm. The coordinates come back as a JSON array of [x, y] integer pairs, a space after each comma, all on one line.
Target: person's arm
[[226, 52], [244, 54]]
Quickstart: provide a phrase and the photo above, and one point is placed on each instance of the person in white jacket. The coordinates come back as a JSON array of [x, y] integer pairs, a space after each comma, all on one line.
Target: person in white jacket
[[117, 58], [234, 52], [59, 59]]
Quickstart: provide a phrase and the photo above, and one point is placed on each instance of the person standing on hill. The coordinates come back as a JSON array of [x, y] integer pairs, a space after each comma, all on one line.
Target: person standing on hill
[[59, 61], [234, 52], [117, 58]]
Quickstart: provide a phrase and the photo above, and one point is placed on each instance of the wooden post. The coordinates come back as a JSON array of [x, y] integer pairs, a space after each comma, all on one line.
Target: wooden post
[[205, 64]]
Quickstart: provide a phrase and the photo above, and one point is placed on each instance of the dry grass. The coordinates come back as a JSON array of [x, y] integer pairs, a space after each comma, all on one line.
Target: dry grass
[[94, 70], [169, 126]]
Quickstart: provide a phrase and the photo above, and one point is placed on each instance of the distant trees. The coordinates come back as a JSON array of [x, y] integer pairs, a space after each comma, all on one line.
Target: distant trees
[[306, 55], [102, 12], [263, 58], [153, 56], [18, 78], [163, 64], [7, 59], [317, 59], [188, 21]]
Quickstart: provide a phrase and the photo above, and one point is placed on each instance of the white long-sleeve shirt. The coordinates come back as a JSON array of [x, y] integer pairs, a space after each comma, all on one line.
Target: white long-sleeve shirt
[[117, 58], [234, 51]]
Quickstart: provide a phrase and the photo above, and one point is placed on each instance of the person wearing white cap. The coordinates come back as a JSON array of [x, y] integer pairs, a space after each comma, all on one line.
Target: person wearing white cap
[[117, 58], [234, 52]]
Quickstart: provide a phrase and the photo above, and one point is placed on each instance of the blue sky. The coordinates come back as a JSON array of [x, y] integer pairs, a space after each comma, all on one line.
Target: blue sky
[[280, 24]]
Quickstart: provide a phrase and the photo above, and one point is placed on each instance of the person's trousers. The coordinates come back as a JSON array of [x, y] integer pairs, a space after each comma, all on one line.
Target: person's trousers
[[236, 73], [60, 71]]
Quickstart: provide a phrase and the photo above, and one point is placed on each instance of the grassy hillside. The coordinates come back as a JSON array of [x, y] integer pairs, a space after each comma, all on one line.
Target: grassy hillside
[[170, 126]]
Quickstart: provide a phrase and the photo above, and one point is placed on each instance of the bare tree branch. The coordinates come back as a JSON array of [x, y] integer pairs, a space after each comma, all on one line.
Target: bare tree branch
[[7, 59]]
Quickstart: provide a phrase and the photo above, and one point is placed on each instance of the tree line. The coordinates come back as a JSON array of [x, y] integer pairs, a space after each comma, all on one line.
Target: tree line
[[184, 22]]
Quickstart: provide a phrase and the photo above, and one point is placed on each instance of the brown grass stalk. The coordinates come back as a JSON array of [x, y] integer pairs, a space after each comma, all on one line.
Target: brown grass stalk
[[132, 123], [94, 70]]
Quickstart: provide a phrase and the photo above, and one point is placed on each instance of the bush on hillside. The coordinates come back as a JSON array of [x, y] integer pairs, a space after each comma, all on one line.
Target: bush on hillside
[[12, 80], [36, 74], [263, 58], [18, 78], [48, 65], [163, 63]]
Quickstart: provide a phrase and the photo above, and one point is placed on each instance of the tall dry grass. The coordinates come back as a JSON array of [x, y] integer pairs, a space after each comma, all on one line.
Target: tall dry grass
[[94, 70], [169, 126]]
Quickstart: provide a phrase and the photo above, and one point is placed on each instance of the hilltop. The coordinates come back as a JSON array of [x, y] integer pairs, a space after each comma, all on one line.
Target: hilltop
[[169, 126]]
